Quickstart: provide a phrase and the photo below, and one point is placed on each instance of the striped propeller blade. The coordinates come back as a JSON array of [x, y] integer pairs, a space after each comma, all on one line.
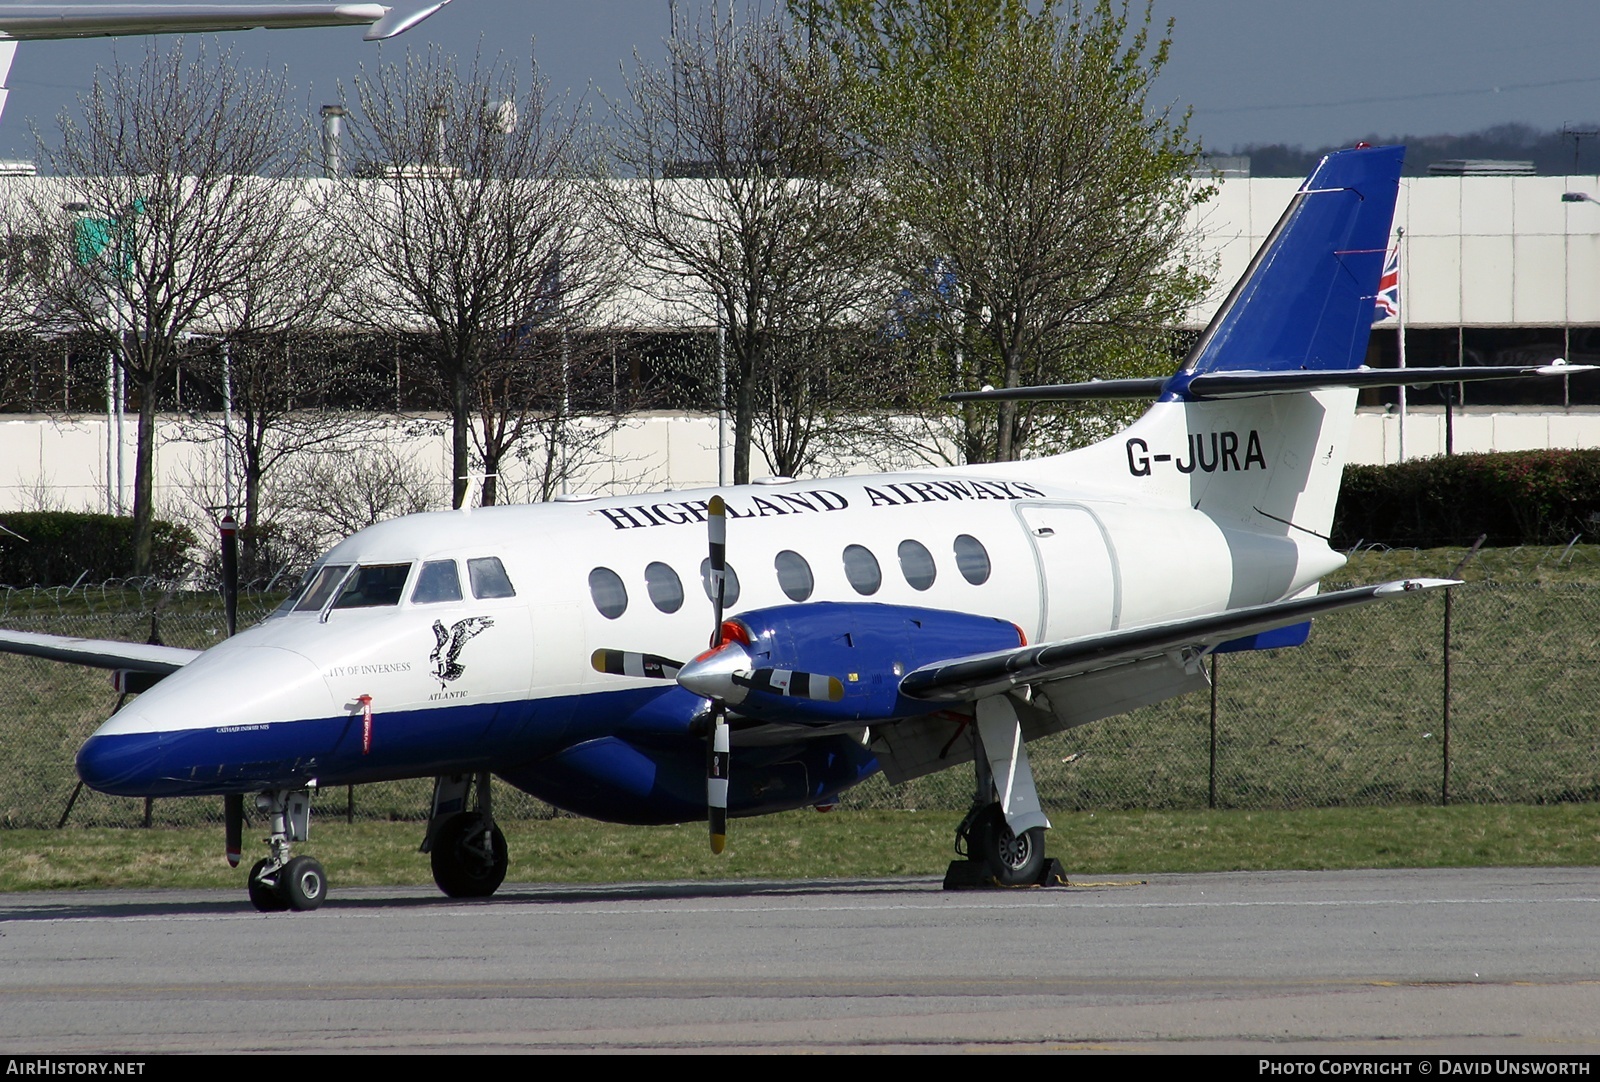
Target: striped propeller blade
[[717, 763], [717, 537], [633, 663], [792, 684]]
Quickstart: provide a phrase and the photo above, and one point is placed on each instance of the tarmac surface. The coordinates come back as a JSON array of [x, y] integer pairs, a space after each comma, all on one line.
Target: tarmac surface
[[1453, 962]]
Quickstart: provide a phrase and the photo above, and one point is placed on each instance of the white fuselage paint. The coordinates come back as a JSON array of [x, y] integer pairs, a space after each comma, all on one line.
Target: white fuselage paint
[[1084, 542]]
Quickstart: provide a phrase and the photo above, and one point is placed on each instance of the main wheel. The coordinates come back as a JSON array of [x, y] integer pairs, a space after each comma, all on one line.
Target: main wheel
[[465, 864], [268, 898], [304, 884], [1014, 860]]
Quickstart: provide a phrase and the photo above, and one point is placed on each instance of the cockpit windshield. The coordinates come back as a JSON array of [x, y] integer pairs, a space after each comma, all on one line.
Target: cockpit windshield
[[374, 586], [320, 587]]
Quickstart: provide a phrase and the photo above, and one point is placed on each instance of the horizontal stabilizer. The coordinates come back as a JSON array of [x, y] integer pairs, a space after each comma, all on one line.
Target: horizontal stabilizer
[[396, 22], [965, 679], [1251, 384], [97, 653]]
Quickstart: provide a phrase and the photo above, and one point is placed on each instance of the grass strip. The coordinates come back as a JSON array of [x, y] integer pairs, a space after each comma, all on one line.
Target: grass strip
[[842, 844]]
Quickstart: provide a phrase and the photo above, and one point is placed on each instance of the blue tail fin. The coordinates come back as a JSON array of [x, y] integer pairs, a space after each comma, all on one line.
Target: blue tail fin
[[1306, 302]]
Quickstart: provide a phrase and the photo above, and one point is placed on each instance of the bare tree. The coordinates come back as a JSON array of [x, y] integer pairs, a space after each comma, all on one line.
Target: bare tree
[[471, 221], [322, 499], [176, 215], [744, 212], [286, 394]]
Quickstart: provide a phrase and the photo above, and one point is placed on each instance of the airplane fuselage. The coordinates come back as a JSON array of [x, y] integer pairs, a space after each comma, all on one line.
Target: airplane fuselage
[[412, 681]]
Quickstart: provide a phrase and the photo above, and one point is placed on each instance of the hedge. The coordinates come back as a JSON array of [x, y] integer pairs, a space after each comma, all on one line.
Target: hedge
[[1515, 497], [55, 548]]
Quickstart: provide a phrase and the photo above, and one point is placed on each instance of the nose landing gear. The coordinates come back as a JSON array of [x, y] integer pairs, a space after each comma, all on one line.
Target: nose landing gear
[[282, 881]]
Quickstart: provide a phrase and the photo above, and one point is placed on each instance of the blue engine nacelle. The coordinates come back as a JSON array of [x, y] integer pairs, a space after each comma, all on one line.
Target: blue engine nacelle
[[867, 647]]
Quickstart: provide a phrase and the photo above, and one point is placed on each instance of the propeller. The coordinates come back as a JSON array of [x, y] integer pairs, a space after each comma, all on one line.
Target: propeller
[[723, 675], [717, 751]]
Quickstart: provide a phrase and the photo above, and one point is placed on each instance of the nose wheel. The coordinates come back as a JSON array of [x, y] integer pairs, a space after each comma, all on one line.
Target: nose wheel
[[299, 885]]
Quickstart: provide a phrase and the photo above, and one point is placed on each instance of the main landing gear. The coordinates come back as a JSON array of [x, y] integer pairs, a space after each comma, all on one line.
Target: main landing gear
[[282, 881], [468, 851], [1002, 836]]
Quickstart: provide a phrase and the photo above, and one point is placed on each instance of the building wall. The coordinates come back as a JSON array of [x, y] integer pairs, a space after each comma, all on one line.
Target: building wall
[[60, 462], [1479, 253]]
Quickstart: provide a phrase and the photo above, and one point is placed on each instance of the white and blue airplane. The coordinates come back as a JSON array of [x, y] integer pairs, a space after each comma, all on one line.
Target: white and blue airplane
[[903, 623]]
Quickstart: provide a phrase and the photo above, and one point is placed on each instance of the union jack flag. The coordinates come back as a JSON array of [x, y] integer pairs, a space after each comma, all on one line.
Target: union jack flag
[[1388, 306]]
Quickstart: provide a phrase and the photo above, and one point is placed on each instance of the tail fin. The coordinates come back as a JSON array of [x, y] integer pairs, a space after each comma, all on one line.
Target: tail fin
[[1306, 302], [1267, 459]]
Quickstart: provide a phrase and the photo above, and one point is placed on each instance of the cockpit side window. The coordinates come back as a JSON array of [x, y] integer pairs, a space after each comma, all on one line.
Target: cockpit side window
[[321, 587], [294, 595], [489, 578], [374, 586], [438, 581]]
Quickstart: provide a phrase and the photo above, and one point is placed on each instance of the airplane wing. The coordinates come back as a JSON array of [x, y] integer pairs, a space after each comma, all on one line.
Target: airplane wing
[[27, 22], [974, 677], [98, 653]]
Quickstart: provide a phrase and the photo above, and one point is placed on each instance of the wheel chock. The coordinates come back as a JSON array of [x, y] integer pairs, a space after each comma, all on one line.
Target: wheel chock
[[975, 875]]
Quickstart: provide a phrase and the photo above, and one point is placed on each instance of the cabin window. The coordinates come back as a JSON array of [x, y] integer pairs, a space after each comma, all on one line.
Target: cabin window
[[861, 568], [916, 564], [489, 578], [321, 588], [374, 586], [972, 559], [610, 596], [730, 584], [438, 581], [666, 589], [794, 575]]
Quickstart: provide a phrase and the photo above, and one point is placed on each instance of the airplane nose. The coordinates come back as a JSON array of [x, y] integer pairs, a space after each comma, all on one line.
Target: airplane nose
[[121, 765], [232, 718]]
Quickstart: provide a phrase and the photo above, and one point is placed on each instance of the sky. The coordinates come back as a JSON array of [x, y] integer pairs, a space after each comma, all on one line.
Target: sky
[[1252, 71]]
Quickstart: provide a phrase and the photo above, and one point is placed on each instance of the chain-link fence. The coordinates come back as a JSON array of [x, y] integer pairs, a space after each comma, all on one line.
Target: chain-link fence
[[1360, 715]]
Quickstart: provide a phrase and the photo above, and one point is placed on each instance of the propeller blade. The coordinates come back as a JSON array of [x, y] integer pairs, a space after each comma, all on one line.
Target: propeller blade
[[717, 531], [633, 663], [233, 827], [717, 754], [793, 685], [230, 572], [717, 782]]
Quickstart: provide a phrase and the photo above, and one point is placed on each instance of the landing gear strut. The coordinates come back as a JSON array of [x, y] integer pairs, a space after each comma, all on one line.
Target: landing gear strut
[[468, 851], [1002, 836], [280, 880]]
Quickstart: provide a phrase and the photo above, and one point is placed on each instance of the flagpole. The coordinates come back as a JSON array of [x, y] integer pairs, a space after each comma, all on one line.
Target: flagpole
[[1400, 310]]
